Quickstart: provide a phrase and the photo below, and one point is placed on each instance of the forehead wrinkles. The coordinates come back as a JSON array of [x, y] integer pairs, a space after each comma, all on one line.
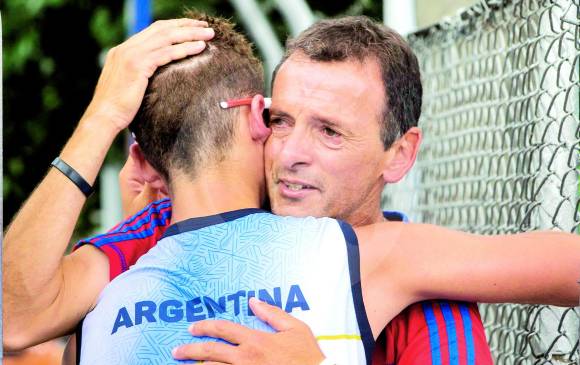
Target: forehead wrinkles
[[332, 87]]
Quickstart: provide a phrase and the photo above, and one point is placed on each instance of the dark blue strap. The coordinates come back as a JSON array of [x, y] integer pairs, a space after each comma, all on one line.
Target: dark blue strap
[[74, 176]]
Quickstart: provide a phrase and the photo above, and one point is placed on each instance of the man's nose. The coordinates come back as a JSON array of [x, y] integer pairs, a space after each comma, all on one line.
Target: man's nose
[[296, 149]]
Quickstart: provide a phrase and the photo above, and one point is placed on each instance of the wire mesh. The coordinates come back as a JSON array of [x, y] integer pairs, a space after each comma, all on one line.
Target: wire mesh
[[501, 147]]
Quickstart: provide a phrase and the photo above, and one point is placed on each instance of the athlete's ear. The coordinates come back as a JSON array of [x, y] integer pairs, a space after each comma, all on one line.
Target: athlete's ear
[[399, 159], [258, 129], [145, 172]]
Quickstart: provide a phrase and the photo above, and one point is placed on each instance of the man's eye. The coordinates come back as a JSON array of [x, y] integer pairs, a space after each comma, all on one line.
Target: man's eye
[[329, 132], [276, 122]]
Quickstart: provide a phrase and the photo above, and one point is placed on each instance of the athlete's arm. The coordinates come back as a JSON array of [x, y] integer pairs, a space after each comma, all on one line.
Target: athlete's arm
[[425, 261], [44, 293]]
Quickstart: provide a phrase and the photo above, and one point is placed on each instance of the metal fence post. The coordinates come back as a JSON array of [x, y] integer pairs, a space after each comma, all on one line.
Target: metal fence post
[[261, 32], [297, 14]]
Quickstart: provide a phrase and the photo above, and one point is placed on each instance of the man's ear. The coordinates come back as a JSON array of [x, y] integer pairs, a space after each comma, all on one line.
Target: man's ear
[[145, 172], [258, 129], [401, 156]]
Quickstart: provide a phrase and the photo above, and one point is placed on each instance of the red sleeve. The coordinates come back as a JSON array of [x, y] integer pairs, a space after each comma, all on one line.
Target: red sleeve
[[435, 333], [132, 238]]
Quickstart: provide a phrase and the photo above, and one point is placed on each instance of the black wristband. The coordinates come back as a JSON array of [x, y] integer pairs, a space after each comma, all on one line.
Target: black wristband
[[74, 176]]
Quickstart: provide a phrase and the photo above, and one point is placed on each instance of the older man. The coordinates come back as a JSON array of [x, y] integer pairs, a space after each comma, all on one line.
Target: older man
[[299, 176]]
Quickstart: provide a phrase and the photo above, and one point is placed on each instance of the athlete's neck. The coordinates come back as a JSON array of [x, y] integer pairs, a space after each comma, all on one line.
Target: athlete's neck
[[214, 191]]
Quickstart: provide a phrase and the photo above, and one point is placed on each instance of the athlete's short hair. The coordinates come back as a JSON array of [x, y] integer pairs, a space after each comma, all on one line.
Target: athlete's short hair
[[180, 125], [360, 38]]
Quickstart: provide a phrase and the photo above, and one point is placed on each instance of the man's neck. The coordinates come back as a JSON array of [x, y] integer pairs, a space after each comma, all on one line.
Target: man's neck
[[212, 192], [368, 211], [364, 219]]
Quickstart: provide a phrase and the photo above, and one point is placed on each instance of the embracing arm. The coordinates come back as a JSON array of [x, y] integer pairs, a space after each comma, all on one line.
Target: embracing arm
[[429, 262], [44, 292], [34, 269]]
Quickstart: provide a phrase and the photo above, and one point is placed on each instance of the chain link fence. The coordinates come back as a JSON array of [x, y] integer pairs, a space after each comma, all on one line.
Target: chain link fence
[[501, 147]]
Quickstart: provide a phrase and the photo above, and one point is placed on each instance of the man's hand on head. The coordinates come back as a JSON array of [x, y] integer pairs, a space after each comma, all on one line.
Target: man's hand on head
[[129, 66], [292, 344]]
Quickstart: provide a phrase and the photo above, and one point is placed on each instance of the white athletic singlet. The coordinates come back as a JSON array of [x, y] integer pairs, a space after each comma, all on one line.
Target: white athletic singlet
[[209, 267]]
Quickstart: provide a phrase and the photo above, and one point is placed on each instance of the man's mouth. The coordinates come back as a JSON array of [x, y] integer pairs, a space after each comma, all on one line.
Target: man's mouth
[[294, 189]]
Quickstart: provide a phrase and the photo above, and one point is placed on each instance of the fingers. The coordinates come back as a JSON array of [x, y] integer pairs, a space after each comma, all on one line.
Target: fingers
[[165, 45], [128, 66], [167, 37], [179, 22], [214, 351], [175, 52], [133, 205], [161, 25], [162, 42], [274, 316], [188, 22], [226, 330]]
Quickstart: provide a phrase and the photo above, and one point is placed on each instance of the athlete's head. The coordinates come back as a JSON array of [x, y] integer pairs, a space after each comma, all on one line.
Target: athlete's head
[[345, 102], [180, 126]]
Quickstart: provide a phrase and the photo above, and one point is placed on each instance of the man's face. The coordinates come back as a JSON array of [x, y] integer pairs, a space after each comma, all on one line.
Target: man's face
[[325, 156]]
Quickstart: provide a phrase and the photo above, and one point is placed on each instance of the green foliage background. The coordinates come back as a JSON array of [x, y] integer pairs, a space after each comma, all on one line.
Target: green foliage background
[[51, 63]]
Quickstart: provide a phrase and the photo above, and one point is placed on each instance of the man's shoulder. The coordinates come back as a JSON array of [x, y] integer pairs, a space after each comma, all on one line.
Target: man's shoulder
[[133, 237], [151, 221], [395, 216]]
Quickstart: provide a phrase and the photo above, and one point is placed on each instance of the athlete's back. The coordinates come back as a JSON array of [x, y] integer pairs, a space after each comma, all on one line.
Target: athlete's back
[[209, 267]]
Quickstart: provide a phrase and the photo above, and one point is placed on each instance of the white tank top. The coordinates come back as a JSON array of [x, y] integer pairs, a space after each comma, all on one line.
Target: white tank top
[[208, 268]]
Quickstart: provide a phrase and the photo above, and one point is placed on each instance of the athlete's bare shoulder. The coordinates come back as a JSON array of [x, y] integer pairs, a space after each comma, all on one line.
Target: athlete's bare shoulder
[[383, 294]]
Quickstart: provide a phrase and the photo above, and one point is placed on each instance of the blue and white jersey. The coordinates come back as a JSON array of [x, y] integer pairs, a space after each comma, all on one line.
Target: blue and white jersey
[[209, 267]]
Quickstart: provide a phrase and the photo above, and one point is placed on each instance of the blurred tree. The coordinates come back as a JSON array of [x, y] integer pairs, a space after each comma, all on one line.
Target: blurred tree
[[51, 65]]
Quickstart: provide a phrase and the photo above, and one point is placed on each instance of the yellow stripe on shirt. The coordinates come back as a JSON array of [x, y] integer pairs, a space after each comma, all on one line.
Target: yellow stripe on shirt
[[338, 337]]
